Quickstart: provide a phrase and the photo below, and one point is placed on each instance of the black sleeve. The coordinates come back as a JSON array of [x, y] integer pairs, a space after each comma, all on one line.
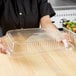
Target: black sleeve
[[1, 7], [45, 8], [1, 3]]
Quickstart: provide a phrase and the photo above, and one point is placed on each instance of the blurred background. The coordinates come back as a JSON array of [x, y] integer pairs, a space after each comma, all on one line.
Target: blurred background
[[62, 2], [65, 10]]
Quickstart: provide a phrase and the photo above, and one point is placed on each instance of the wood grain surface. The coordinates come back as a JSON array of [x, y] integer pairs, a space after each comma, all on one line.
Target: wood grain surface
[[53, 63], [39, 59]]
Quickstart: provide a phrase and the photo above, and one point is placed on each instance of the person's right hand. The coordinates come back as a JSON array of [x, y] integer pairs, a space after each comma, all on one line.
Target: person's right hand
[[3, 46]]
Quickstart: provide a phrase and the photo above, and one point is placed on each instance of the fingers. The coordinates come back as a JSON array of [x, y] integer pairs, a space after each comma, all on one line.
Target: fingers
[[3, 51], [2, 47], [66, 40], [68, 37]]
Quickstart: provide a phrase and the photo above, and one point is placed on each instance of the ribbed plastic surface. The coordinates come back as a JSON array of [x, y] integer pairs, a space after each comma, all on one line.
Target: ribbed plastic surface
[[31, 41]]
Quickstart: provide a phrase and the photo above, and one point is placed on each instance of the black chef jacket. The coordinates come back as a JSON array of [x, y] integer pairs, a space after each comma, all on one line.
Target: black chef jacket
[[16, 14]]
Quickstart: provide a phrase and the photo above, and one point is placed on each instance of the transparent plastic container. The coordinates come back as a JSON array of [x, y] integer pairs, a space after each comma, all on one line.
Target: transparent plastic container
[[72, 34], [24, 42]]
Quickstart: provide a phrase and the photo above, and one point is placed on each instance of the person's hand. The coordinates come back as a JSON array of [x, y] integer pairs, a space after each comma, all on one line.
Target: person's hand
[[3, 46], [68, 37], [61, 37]]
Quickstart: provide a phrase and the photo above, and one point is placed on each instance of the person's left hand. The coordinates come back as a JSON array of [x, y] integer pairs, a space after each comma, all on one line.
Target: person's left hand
[[68, 37], [60, 37]]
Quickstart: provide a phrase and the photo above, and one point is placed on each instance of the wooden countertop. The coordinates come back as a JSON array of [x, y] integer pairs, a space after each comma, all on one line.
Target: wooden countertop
[[53, 63]]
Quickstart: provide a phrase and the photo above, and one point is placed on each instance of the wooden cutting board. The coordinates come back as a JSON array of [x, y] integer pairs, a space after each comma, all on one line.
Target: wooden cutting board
[[53, 63]]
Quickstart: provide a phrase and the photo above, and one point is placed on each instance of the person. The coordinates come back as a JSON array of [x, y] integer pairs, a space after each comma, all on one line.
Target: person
[[17, 14]]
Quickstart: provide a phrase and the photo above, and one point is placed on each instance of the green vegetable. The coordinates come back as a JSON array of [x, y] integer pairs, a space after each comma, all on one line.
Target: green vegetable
[[71, 25]]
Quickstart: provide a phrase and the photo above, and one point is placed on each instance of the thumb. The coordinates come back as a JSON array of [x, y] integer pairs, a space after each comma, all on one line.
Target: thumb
[[2, 49]]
